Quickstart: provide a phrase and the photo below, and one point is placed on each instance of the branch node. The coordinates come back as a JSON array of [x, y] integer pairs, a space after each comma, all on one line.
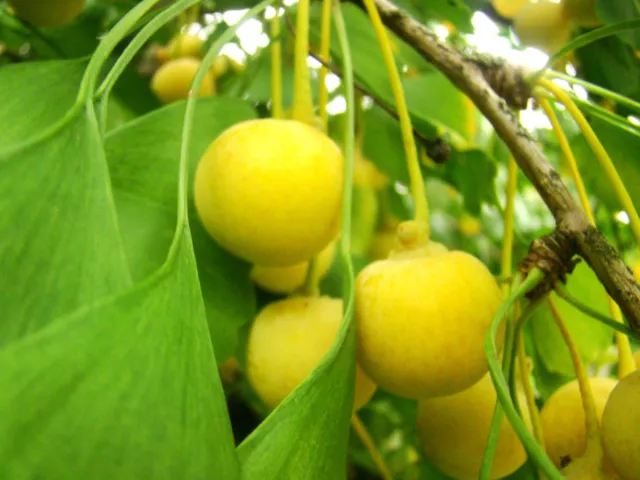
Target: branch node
[[554, 255], [505, 79]]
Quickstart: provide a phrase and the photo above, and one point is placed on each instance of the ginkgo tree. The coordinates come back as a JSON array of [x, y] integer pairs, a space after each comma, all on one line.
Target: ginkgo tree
[[319, 240]]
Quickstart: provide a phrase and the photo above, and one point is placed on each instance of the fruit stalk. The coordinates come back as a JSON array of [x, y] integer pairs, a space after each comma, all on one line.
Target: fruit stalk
[[625, 357], [593, 448], [276, 67], [601, 154], [325, 44], [411, 152], [506, 262], [537, 453], [302, 99], [370, 445]]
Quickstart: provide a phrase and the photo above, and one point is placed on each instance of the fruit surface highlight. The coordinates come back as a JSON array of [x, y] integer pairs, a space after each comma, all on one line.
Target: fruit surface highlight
[[422, 319], [288, 339], [270, 191], [543, 24], [47, 13], [620, 421], [563, 419], [288, 279], [184, 45], [172, 81], [453, 433]]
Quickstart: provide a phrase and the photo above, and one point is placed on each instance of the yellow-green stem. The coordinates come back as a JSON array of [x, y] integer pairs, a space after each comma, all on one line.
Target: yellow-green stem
[[601, 154], [413, 165], [592, 425], [311, 286], [302, 99], [276, 67], [506, 263], [325, 44], [370, 445], [525, 379], [568, 155], [626, 363]]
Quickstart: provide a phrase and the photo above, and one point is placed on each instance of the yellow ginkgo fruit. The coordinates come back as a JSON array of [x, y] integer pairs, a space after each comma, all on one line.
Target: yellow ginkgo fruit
[[285, 280], [287, 341], [508, 8], [453, 432], [422, 318], [270, 191], [543, 24], [172, 81]]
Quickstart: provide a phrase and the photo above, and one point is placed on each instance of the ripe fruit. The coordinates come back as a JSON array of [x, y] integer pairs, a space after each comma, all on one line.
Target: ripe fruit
[[270, 191], [543, 24], [422, 318], [636, 357], [172, 81], [469, 226], [582, 12], [508, 8], [47, 13], [620, 422], [183, 45], [220, 66], [563, 421], [286, 280], [453, 433], [365, 204], [288, 339]]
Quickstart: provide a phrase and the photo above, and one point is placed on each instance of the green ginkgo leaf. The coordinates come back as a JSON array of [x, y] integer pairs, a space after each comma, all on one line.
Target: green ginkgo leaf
[[59, 241], [124, 389], [143, 158]]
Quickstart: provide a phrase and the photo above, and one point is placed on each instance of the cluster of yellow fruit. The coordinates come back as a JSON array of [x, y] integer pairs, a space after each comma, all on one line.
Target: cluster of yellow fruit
[[180, 60], [47, 13], [269, 191], [547, 24]]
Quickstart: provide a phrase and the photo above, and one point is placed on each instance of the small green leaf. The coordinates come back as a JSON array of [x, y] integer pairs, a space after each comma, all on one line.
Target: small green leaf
[[127, 388], [59, 241], [591, 337], [143, 159]]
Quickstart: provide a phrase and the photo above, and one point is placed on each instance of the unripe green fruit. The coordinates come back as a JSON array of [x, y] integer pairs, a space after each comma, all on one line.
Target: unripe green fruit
[[453, 433], [270, 191], [582, 12], [172, 81], [620, 421], [286, 280], [543, 24], [287, 341], [563, 420], [508, 8], [47, 13], [422, 320]]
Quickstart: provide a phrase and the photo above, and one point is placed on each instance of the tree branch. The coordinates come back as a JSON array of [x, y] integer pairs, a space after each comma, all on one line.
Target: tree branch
[[476, 81]]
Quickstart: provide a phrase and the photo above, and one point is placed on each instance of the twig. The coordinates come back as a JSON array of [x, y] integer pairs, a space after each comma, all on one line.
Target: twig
[[465, 73]]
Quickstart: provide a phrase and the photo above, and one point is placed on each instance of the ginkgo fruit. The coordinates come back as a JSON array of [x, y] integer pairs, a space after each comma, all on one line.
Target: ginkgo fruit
[[286, 280], [422, 317], [270, 191], [287, 341], [172, 81], [47, 13], [453, 433], [220, 66], [543, 24], [365, 204], [508, 8], [182, 45], [620, 421], [469, 226], [563, 420], [582, 12]]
